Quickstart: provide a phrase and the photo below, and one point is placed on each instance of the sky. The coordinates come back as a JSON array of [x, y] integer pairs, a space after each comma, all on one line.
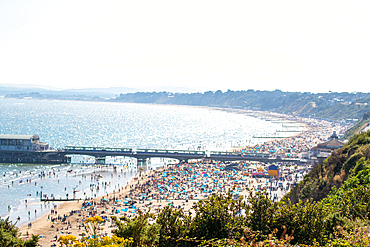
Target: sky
[[307, 46]]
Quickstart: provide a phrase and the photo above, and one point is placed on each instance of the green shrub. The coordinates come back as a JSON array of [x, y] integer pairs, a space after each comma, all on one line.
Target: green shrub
[[9, 236]]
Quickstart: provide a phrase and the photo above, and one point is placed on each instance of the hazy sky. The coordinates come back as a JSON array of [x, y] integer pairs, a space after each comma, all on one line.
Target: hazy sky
[[295, 45]]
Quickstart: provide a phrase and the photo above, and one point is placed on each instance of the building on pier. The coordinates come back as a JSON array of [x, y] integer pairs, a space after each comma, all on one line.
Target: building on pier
[[22, 143]]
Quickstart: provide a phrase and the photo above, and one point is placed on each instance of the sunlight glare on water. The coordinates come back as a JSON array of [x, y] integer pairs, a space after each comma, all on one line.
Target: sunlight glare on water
[[100, 124]]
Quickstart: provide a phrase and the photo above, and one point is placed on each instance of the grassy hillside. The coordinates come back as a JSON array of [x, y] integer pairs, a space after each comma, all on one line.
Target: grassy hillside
[[351, 200], [333, 171]]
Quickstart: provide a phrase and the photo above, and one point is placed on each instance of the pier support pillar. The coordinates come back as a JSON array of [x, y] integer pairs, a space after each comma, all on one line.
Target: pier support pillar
[[141, 161], [99, 160]]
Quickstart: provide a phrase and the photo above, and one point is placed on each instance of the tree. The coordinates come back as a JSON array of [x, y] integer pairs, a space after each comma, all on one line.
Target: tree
[[174, 226], [220, 216], [9, 236], [138, 228]]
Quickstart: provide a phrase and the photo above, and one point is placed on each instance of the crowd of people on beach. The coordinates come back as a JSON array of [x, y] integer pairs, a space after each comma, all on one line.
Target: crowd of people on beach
[[316, 132]]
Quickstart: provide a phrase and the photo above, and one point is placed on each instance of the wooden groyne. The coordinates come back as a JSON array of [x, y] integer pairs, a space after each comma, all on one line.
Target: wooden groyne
[[59, 199]]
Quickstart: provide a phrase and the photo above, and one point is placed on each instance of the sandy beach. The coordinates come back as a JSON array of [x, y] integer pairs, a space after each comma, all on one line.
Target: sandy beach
[[182, 185]]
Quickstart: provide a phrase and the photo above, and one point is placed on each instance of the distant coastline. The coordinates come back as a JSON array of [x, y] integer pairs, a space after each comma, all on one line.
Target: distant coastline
[[330, 106]]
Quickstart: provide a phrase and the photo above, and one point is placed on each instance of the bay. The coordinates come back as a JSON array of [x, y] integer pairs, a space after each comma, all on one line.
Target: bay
[[105, 124]]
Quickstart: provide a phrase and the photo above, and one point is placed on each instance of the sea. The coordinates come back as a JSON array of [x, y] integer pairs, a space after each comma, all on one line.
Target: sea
[[107, 124]]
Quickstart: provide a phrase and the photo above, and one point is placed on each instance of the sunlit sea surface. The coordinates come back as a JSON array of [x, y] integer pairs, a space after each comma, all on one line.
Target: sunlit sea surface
[[73, 123]]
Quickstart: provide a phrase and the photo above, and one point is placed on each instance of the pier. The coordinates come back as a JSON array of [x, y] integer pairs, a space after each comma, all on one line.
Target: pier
[[100, 153], [62, 156], [28, 149]]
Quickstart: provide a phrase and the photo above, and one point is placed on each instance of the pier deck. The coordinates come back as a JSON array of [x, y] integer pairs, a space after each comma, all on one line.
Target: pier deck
[[181, 155], [62, 156]]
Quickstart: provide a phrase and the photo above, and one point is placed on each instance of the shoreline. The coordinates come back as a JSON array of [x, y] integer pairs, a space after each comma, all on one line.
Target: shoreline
[[45, 228], [86, 181]]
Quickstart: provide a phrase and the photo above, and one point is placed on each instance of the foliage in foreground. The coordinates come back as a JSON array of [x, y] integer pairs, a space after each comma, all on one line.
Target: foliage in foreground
[[93, 238], [9, 236], [138, 228], [222, 221]]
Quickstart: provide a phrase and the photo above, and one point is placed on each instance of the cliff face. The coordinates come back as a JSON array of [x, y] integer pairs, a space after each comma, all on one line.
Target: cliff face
[[333, 171], [363, 125]]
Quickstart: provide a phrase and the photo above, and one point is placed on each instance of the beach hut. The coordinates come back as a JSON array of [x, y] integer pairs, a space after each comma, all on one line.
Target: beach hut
[[273, 170]]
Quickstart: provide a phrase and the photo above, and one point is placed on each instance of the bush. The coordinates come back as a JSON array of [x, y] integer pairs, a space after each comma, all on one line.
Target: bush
[[219, 217], [142, 233], [9, 236]]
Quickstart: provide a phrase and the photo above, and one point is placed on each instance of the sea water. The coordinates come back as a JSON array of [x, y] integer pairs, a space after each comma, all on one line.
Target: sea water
[[103, 124]]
